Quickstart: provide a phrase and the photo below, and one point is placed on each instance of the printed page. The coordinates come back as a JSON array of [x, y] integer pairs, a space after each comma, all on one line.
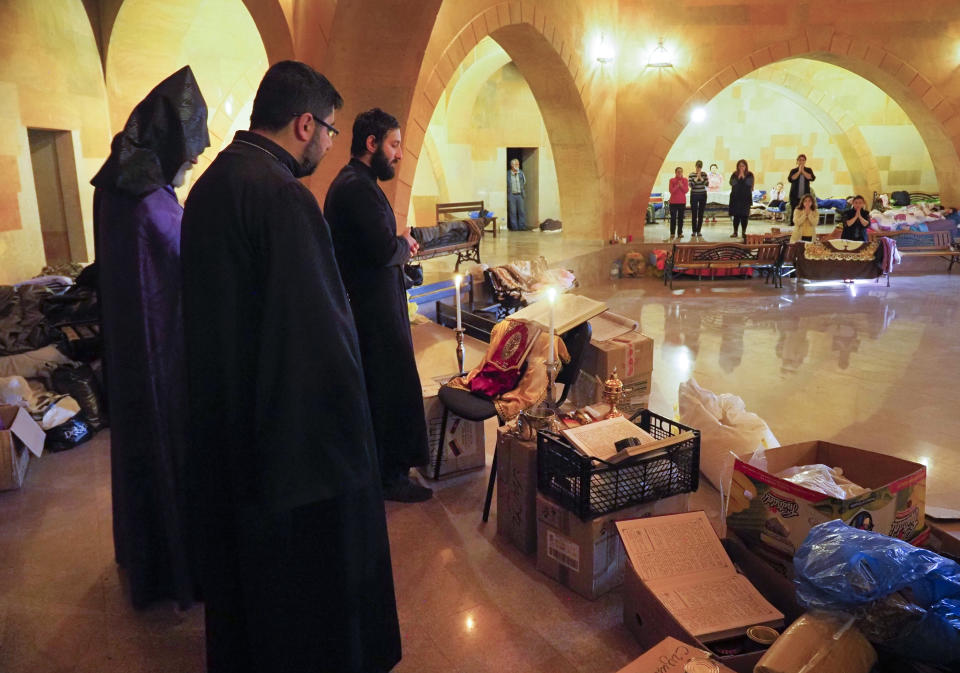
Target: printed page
[[598, 439], [715, 607], [674, 546]]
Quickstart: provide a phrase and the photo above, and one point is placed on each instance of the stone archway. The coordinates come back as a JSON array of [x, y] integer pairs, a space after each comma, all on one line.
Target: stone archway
[[845, 133], [935, 117], [548, 59]]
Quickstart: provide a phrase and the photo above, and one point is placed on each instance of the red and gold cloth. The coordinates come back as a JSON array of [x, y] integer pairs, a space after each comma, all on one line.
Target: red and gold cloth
[[501, 374]]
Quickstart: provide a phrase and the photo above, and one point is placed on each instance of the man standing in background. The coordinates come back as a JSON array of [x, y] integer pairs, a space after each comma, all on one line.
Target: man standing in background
[[516, 191]]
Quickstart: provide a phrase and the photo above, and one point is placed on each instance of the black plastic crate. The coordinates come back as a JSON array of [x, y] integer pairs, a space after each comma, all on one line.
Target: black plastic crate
[[590, 486]]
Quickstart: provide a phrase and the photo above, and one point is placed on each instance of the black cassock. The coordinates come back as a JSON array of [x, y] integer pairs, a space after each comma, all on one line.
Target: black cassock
[[283, 478], [371, 258]]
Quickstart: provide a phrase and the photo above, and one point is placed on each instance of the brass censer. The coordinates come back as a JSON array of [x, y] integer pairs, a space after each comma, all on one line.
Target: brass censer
[[612, 394]]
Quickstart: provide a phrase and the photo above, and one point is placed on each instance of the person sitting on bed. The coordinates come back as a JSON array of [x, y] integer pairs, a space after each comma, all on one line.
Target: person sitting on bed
[[856, 221], [805, 219]]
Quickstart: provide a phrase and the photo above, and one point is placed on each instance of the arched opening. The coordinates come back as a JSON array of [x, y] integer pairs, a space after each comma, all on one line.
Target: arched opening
[[486, 109], [218, 39], [537, 62], [858, 140]]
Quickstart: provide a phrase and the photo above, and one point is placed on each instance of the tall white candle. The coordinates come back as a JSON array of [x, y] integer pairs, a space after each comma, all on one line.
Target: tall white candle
[[552, 298], [456, 281]]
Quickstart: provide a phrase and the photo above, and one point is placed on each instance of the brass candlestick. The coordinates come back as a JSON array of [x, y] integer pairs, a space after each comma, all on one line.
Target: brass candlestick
[[612, 392], [459, 333], [551, 379]]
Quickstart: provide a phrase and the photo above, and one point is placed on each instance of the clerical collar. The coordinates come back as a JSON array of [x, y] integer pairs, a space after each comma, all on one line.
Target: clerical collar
[[269, 147]]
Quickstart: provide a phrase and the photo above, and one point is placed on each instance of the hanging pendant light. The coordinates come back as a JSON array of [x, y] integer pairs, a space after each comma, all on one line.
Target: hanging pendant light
[[659, 57]]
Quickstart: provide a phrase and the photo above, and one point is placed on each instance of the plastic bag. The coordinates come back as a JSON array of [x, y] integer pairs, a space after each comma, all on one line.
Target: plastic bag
[[80, 383], [823, 479], [843, 569], [68, 435], [725, 427]]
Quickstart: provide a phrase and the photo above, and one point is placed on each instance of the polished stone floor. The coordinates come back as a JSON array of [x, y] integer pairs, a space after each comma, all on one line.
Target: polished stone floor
[[860, 364]]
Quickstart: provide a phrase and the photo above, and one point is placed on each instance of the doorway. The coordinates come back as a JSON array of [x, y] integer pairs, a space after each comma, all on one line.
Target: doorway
[[58, 196], [529, 158]]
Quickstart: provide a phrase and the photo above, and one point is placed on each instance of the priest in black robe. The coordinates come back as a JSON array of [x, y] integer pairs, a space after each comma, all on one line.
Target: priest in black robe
[[371, 256], [283, 475], [137, 237]]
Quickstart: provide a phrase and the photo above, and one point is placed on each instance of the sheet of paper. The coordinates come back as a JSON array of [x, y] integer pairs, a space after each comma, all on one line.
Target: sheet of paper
[[609, 325], [714, 606], [598, 439], [673, 546]]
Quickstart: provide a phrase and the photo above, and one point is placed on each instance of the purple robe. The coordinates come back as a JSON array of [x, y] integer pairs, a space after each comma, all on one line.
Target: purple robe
[[138, 251]]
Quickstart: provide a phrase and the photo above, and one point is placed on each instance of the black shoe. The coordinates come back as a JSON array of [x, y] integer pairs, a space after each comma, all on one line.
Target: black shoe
[[404, 490]]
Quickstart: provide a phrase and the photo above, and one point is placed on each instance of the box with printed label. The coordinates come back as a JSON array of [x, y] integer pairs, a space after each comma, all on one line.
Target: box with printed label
[[19, 437], [774, 515], [587, 556], [463, 444], [672, 656], [517, 490], [649, 620]]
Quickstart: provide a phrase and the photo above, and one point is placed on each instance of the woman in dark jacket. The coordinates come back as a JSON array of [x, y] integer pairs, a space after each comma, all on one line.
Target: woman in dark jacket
[[741, 197]]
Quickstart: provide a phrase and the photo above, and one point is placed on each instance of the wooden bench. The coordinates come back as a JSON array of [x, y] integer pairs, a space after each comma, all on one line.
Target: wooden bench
[[924, 244], [764, 257], [465, 208]]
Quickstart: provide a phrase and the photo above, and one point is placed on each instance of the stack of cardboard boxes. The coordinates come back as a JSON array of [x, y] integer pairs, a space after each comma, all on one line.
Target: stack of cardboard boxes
[[631, 355]]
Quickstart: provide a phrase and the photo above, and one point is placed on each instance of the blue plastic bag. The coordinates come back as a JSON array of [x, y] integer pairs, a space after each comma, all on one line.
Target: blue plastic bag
[[843, 569]]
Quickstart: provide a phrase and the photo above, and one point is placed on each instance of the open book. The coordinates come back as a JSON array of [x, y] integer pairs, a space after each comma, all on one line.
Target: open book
[[681, 560], [599, 439], [569, 311]]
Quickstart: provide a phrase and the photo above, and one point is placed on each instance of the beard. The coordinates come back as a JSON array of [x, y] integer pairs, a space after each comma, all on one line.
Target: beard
[[382, 168], [311, 157]]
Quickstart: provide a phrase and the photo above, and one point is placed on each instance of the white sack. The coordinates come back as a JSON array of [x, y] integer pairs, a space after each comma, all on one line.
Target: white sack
[[726, 427]]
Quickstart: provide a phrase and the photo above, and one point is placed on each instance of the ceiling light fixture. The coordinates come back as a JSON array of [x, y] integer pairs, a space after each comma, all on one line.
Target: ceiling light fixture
[[604, 52], [698, 115], [660, 57]]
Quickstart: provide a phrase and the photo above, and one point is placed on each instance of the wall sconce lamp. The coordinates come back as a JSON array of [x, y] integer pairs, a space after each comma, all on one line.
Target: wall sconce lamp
[[604, 52], [659, 57]]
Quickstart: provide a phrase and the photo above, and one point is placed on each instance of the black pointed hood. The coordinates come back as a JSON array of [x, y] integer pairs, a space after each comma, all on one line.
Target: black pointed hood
[[165, 129]]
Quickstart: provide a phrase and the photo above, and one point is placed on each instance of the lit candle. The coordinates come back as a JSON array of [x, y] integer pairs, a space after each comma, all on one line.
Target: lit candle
[[456, 281], [552, 298]]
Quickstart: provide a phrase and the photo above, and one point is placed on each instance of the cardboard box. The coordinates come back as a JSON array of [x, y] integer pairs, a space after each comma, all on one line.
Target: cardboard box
[[650, 621], [778, 514], [19, 437], [630, 353], [463, 445], [587, 556], [668, 656], [517, 490], [588, 390]]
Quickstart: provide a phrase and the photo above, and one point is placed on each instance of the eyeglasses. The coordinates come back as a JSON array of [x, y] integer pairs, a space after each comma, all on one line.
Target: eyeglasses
[[332, 131]]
